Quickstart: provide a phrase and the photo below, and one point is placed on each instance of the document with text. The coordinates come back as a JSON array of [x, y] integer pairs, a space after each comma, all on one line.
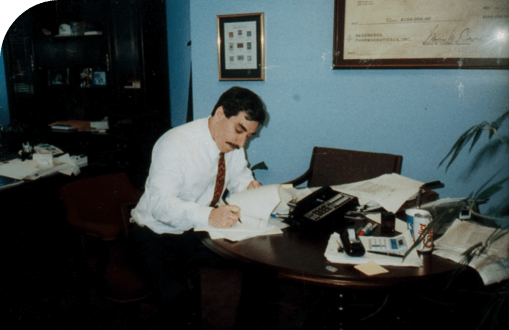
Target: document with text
[[390, 191], [256, 207], [493, 264]]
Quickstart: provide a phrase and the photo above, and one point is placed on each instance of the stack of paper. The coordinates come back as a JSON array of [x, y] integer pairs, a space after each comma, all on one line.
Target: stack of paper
[[32, 169], [287, 193], [334, 244], [18, 169], [390, 191], [256, 207], [493, 265]]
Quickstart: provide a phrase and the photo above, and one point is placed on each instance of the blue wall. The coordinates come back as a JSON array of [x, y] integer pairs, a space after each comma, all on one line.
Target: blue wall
[[179, 57], [416, 113]]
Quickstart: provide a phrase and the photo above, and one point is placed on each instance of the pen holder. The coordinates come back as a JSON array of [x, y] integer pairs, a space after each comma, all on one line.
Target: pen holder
[[388, 222], [25, 155]]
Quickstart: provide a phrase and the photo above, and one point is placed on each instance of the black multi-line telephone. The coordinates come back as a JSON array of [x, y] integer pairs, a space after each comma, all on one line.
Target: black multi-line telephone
[[321, 208]]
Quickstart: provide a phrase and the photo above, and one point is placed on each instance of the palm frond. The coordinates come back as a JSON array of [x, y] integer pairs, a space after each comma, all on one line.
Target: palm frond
[[491, 190], [487, 153], [478, 131], [474, 133], [458, 146], [498, 122]]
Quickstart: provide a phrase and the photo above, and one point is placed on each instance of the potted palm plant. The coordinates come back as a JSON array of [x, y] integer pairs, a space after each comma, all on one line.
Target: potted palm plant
[[497, 216]]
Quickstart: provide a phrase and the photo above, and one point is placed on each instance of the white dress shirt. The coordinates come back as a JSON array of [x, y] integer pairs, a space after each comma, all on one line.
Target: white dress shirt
[[182, 178]]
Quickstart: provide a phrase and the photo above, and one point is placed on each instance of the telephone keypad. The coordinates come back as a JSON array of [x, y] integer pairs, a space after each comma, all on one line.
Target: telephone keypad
[[328, 207]]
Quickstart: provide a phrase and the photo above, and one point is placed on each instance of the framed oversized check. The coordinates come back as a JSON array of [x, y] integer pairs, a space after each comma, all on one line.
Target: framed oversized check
[[421, 34]]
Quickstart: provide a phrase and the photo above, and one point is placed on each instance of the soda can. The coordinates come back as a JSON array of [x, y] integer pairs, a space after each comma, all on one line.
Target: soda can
[[417, 220]]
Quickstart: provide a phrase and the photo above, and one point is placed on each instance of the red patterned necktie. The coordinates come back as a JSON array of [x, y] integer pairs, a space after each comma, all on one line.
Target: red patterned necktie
[[221, 173]]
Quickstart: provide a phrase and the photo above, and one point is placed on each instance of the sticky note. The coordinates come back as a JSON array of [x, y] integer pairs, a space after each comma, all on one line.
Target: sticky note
[[371, 268]]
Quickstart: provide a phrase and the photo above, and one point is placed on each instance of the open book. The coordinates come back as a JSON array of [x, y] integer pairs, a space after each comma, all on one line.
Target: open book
[[256, 206]]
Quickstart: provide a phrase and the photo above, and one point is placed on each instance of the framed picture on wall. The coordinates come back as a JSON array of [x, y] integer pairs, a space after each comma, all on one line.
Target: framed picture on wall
[[241, 46], [58, 77], [421, 34]]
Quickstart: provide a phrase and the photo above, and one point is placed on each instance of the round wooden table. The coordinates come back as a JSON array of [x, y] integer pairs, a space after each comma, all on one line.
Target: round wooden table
[[292, 265], [299, 255]]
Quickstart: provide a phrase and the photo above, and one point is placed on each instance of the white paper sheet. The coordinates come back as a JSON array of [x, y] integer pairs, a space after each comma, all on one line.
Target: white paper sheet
[[332, 255], [258, 203], [289, 194], [389, 190], [236, 233], [63, 164], [493, 266], [17, 169], [256, 206]]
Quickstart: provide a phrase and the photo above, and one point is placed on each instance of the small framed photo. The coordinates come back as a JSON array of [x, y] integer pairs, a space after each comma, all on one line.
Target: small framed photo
[[58, 77], [232, 48], [99, 78]]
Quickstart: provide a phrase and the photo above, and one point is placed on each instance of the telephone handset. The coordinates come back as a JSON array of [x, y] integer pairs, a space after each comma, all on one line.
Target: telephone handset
[[320, 206]]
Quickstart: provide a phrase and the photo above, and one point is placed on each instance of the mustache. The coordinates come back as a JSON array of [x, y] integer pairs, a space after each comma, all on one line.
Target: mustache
[[234, 146]]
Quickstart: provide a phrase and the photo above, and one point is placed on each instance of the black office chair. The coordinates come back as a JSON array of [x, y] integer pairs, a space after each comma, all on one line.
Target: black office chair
[[98, 209], [331, 166]]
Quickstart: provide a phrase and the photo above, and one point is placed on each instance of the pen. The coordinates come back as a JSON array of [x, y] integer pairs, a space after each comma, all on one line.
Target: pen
[[386, 254], [229, 204], [370, 229], [364, 230]]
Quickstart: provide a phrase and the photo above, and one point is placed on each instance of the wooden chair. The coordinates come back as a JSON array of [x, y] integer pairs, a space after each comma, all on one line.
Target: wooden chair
[[94, 208], [331, 166]]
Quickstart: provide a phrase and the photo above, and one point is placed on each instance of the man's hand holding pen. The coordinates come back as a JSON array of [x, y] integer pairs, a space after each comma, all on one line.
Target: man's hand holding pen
[[224, 216]]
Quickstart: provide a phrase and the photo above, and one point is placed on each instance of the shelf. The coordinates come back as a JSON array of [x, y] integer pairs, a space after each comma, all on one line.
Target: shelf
[[76, 37], [57, 38]]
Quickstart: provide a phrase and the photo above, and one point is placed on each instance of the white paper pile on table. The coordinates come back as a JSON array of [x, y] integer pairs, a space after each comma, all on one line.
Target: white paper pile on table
[[256, 207], [332, 254], [42, 165], [389, 191], [493, 265], [17, 169]]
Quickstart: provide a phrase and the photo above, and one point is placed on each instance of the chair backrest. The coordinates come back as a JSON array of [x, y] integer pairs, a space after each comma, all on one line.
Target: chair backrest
[[95, 203], [95, 208], [331, 166]]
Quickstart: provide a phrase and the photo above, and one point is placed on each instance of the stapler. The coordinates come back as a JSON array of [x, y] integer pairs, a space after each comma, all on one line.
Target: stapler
[[352, 245]]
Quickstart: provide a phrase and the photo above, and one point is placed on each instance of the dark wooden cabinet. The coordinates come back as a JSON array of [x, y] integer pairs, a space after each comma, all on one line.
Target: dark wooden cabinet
[[114, 65]]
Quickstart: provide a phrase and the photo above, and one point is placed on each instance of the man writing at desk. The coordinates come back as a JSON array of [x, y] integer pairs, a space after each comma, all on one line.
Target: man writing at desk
[[186, 179]]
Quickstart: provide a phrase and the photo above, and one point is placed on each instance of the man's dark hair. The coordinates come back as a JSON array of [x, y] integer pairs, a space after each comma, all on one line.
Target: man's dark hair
[[238, 99]]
